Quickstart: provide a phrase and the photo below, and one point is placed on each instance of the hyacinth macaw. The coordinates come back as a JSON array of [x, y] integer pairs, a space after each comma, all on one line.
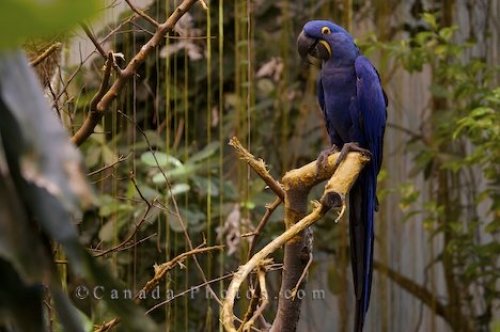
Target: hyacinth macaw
[[354, 106]]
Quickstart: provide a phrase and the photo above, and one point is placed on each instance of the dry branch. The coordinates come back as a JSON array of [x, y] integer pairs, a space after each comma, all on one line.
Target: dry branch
[[142, 14], [160, 272], [297, 184], [258, 166], [264, 300], [270, 208], [94, 41], [418, 291], [51, 49], [104, 103]]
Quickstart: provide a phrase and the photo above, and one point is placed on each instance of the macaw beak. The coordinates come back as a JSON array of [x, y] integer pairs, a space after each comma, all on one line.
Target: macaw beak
[[317, 48]]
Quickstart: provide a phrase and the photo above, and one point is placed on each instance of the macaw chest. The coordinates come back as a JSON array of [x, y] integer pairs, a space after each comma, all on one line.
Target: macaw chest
[[339, 89]]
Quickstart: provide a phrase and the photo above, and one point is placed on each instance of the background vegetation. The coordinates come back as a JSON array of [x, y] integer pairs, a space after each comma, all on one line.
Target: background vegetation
[[231, 69]]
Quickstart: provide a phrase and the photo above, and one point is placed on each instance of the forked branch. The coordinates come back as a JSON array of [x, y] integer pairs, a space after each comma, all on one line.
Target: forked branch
[[297, 184], [104, 103]]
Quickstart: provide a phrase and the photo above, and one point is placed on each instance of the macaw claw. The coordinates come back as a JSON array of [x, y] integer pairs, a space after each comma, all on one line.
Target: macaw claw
[[350, 147], [322, 160]]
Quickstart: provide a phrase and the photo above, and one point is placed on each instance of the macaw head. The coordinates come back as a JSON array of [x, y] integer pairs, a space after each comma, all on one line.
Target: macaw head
[[326, 41]]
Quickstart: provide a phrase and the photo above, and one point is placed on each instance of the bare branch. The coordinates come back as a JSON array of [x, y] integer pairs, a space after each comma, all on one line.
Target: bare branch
[[104, 84], [176, 208], [113, 164], [94, 41], [418, 291], [129, 238], [160, 272], [264, 300], [93, 118], [162, 269], [305, 177], [258, 166], [51, 49], [302, 276], [269, 211], [142, 14]]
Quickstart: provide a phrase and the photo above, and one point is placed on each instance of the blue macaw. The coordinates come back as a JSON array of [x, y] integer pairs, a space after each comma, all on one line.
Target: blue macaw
[[354, 105]]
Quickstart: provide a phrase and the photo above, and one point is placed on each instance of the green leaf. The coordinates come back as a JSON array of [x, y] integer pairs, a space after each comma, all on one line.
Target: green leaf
[[132, 316], [47, 174], [208, 151], [206, 186], [21, 19], [70, 317], [178, 188], [46, 166], [189, 217], [18, 244], [447, 33], [162, 159], [20, 302], [179, 172], [430, 19]]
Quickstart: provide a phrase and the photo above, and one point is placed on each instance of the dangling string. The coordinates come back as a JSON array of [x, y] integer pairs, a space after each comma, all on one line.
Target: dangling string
[[221, 142], [169, 313]]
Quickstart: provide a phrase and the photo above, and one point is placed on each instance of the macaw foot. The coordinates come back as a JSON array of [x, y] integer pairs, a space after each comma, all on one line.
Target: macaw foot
[[350, 147], [322, 160]]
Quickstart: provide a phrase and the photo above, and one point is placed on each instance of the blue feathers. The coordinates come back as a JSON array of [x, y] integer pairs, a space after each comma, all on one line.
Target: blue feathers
[[354, 105]]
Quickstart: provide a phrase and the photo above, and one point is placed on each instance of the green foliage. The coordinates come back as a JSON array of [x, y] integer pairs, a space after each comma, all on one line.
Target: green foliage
[[459, 155], [21, 19], [44, 189]]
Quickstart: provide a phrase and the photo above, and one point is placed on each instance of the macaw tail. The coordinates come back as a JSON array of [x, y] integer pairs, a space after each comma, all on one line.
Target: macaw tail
[[362, 203]]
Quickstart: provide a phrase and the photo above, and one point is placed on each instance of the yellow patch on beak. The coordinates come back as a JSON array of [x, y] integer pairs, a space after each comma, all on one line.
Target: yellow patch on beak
[[327, 46]]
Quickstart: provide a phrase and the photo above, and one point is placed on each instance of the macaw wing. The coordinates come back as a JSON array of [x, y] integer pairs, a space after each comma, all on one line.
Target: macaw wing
[[321, 102], [372, 108], [369, 119], [334, 139]]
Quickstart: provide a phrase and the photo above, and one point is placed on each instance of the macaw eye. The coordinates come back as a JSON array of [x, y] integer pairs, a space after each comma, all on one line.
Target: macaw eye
[[326, 30]]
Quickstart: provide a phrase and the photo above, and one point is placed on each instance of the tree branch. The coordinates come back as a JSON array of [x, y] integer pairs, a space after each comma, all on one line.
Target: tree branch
[[103, 104], [258, 166], [142, 14], [160, 272], [418, 291], [94, 41], [51, 49], [297, 183]]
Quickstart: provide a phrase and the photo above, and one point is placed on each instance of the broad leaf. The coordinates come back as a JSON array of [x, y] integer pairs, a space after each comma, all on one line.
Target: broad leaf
[[21, 19]]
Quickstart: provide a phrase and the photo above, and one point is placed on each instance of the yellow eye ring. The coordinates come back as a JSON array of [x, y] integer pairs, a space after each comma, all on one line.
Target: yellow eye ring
[[326, 30]]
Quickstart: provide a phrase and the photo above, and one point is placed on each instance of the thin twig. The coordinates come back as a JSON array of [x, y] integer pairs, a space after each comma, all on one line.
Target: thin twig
[[269, 211], [137, 226], [258, 166], [132, 178], [160, 272], [113, 164], [176, 207], [162, 269], [104, 83], [189, 290], [264, 297], [93, 118], [94, 41], [302, 276], [51, 49], [129, 238], [142, 14]]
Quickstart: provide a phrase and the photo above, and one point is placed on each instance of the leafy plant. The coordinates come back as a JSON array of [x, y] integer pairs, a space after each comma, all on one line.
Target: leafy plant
[[21, 19], [458, 154]]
